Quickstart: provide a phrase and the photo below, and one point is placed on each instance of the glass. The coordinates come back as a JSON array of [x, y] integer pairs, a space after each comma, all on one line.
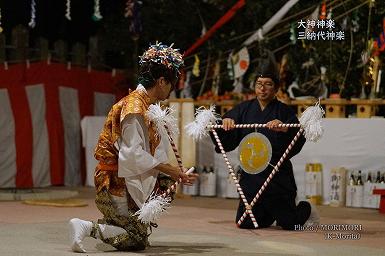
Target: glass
[[267, 85]]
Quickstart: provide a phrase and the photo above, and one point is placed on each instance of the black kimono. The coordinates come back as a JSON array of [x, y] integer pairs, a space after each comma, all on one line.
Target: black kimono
[[277, 202]]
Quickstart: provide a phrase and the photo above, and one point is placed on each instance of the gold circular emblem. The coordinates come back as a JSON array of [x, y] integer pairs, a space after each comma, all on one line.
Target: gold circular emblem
[[254, 153]]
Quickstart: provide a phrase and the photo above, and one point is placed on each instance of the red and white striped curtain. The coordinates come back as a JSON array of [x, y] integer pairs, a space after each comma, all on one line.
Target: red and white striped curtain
[[40, 111]]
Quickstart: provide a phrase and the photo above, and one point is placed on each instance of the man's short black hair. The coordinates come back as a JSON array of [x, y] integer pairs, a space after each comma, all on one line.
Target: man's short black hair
[[149, 72]]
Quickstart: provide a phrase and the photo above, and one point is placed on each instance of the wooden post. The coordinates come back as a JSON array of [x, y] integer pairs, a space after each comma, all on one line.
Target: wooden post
[[43, 45], [2, 48], [366, 108], [335, 108], [226, 106], [93, 51], [79, 54], [20, 40], [302, 105], [61, 51]]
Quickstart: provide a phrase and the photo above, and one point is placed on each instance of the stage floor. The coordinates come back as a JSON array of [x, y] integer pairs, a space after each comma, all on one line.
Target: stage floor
[[193, 226]]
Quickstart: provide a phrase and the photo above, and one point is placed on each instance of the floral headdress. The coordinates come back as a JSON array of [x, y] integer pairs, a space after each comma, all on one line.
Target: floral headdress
[[164, 55]]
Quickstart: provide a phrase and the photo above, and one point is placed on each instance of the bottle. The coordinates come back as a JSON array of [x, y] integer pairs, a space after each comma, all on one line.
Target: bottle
[[352, 181], [359, 179], [378, 177], [369, 179]]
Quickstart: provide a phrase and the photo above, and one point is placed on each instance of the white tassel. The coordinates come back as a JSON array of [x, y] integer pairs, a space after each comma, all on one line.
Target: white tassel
[[153, 208], [156, 205], [311, 120], [162, 117], [203, 117]]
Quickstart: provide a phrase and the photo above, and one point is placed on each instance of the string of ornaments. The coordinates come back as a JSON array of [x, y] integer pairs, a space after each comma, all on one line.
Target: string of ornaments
[[68, 10], [32, 23], [1, 29], [97, 16], [129, 9]]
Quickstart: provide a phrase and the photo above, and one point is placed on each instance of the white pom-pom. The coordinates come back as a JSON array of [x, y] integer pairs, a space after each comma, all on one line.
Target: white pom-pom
[[203, 117], [163, 117], [153, 208], [311, 122]]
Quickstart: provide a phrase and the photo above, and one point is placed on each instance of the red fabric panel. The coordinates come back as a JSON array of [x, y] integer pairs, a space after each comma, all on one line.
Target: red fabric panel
[[50, 75], [12, 80]]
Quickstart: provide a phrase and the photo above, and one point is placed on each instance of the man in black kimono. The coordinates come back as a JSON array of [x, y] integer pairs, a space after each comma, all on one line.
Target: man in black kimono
[[277, 202]]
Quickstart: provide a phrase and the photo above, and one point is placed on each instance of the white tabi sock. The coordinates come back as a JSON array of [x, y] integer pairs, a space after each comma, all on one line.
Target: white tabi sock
[[79, 229]]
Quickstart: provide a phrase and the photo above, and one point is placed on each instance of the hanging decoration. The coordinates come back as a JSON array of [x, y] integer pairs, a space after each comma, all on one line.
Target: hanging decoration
[[230, 67], [258, 35], [132, 13], [379, 42], [367, 52], [330, 14], [187, 92], [225, 18], [181, 79], [355, 24], [323, 11], [293, 36], [1, 29], [344, 24], [196, 71], [68, 10], [313, 16], [97, 16], [216, 77], [240, 62], [32, 23], [238, 85], [129, 9]]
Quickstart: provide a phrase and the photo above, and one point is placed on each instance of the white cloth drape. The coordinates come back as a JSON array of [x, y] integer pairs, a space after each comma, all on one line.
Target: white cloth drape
[[70, 112], [40, 150], [7, 142]]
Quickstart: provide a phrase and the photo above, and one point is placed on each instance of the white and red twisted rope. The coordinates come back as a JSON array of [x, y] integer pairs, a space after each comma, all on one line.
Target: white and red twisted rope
[[173, 186], [233, 175], [275, 170], [174, 148], [178, 159], [216, 126]]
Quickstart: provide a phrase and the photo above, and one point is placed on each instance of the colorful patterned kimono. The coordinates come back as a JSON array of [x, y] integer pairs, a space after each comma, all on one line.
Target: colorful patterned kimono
[[113, 176]]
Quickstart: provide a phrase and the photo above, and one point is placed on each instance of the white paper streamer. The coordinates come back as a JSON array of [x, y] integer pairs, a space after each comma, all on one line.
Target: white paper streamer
[[97, 16], [1, 29], [68, 10], [32, 22], [258, 35]]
